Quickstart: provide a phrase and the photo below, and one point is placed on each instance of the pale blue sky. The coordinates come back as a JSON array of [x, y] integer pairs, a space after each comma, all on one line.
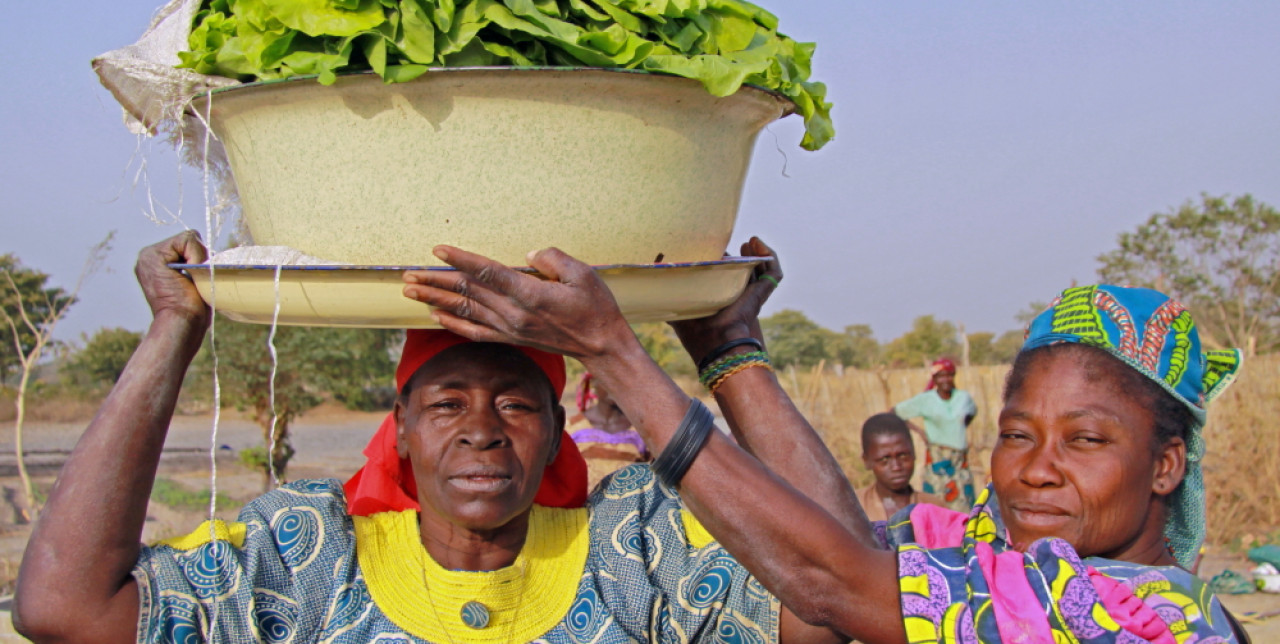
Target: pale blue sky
[[987, 152]]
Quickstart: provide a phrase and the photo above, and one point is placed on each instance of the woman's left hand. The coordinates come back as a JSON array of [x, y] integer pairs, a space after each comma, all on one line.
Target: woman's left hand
[[571, 312], [741, 319]]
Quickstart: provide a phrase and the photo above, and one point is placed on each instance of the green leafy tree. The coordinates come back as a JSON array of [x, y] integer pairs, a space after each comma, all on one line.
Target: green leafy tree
[[355, 366], [856, 347], [1220, 257], [312, 363], [986, 348], [660, 342], [1006, 346], [981, 347], [24, 291], [928, 340], [794, 339], [104, 355]]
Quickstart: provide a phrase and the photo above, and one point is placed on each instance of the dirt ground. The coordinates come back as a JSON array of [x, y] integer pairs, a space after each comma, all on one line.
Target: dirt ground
[[328, 441], [1259, 612]]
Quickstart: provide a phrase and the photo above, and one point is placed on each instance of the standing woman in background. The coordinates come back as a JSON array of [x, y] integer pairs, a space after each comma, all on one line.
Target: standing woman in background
[[947, 412]]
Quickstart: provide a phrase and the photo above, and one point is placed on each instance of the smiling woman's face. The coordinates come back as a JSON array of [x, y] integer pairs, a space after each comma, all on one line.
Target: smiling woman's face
[[944, 382], [480, 425], [1076, 459]]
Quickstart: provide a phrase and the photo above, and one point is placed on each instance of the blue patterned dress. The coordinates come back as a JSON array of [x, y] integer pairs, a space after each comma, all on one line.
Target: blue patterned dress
[[288, 571]]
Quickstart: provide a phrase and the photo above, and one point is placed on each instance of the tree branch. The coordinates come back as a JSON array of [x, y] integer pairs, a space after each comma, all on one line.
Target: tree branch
[[22, 307]]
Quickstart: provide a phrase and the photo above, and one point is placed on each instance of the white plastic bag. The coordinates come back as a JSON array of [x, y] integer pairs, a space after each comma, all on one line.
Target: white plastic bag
[[144, 78], [1267, 578]]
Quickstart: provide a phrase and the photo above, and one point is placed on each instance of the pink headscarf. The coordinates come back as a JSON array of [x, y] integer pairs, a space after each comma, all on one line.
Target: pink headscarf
[[386, 482], [941, 365]]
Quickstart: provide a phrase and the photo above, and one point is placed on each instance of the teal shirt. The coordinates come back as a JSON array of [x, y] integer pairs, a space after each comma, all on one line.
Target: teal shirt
[[943, 419]]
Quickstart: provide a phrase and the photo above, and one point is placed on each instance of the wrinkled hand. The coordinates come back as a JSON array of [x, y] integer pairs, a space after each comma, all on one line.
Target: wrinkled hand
[[741, 319], [168, 291], [571, 312]]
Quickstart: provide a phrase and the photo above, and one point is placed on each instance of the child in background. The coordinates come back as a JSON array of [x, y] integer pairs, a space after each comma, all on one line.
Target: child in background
[[887, 451]]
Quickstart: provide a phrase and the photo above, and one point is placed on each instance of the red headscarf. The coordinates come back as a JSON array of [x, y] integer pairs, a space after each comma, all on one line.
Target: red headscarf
[[386, 483], [941, 365]]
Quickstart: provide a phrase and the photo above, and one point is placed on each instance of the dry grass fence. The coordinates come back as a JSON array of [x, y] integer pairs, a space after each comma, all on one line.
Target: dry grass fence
[[1242, 468]]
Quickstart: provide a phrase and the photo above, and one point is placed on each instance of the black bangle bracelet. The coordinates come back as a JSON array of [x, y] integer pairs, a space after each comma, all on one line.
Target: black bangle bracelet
[[725, 348], [685, 444]]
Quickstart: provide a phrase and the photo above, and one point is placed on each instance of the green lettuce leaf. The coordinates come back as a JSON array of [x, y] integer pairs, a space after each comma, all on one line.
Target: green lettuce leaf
[[326, 17], [723, 44]]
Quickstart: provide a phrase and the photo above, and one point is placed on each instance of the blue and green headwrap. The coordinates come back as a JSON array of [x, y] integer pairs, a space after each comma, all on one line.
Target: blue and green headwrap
[[1156, 335]]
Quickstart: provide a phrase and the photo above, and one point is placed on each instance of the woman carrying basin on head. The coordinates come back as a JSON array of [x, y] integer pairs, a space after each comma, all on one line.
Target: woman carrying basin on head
[[1095, 509], [470, 522]]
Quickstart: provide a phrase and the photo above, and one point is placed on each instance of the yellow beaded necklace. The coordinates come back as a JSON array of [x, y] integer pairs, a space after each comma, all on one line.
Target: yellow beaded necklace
[[520, 602]]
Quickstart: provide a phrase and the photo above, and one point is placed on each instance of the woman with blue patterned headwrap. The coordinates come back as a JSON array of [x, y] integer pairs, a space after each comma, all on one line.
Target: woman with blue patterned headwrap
[[1094, 511], [1096, 506]]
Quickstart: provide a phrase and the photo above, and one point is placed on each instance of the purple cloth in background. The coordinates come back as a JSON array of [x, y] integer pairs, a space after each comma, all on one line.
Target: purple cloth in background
[[593, 435]]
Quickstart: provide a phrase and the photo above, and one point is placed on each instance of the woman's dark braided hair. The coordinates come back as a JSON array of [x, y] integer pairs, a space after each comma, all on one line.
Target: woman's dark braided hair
[[1172, 418]]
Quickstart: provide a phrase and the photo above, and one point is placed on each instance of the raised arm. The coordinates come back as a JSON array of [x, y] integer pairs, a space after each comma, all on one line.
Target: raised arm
[[767, 424], [810, 560], [75, 583], [763, 418]]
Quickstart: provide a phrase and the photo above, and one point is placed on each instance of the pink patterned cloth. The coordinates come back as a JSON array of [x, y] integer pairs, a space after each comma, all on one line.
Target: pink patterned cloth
[[1130, 612], [962, 583]]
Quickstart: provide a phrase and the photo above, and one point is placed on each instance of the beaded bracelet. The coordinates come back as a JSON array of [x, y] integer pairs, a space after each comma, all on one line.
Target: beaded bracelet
[[739, 368], [719, 351], [690, 436], [713, 371]]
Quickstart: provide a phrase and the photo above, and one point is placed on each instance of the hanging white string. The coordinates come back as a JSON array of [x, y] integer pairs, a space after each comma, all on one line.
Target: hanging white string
[[271, 387], [145, 147], [180, 145], [210, 238]]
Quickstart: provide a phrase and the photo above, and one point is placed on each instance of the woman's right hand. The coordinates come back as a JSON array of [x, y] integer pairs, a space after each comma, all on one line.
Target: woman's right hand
[[571, 311], [169, 291], [741, 319]]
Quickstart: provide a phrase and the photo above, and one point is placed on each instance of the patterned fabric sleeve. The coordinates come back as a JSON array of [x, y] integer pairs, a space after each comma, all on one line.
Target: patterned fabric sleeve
[[662, 577], [1181, 599], [270, 577]]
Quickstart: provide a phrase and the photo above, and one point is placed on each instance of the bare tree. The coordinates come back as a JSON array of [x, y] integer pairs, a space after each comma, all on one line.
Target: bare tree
[[37, 323]]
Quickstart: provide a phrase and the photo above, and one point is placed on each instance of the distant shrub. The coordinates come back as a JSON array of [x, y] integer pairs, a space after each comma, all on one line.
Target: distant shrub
[[104, 355], [175, 495]]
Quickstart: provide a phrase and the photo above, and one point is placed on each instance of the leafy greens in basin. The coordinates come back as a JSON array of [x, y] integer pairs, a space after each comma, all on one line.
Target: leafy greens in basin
[[721, 43]]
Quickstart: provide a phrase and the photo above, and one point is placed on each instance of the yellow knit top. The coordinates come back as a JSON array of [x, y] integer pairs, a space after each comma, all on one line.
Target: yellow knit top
[[524, 600]]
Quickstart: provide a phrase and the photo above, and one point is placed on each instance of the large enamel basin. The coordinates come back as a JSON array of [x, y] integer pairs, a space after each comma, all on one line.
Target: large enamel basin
[[610, 165]]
